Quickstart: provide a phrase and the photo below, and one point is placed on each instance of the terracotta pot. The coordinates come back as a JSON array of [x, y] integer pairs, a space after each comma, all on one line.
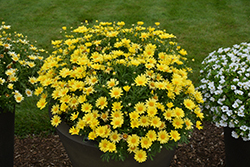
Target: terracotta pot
[[237, 150], [7, 121], [86, 154]]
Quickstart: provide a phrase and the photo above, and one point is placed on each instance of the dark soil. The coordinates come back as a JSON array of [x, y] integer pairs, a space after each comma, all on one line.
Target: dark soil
[[206, 149]]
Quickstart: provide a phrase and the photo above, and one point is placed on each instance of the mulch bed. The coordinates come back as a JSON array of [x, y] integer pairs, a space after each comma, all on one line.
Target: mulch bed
[[206, 149]]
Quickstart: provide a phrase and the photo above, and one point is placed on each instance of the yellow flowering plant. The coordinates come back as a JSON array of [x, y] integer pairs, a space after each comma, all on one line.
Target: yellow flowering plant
[[19, 63], [126, 88]]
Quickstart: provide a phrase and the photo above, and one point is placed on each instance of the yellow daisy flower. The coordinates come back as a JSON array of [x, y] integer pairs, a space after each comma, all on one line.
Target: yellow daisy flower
[[151, 111], [92, 135], [168, 114], [74, 130], [80, 124], [132, 149], [151, 102], [144, 121], [94, 123], [117, 122], [178, 112], [116, 92], [140, 156], [111, 147], [103, 145], [189, 104], [56, 120], [86, 107], [198, 113], [198, 125], [104, 116], [188, 124], [175, 135], [145, 142], [141, 80], [101, 131], [41, 103], [134, 115], [55, 109], [156, 122], [177, 123], [133, 140], [88, 118], [134, 123], [114, 137], [151, 135], [64, 107], [74, 116], [117, 114], [140, 107], [101, 102], [163, 137], [116, 106], [112, 82]]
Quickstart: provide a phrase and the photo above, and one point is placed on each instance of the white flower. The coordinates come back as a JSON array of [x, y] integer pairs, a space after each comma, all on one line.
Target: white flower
[[223, 123], [220, 101], [233, 87], [236, 121], [235, 105], [235, 135], [242, 108], [224, 108], [2, 80], [245, 139], [28, 92], [229, 112], [239, 92], [203, 86], [241, 114], [244, 128], [207, 95], [203, 80], [236, 46], [235, 80], [217, 92], [238, 101], [231, 125], [240, 84], [224, 117], [228, 68], [212, 99]]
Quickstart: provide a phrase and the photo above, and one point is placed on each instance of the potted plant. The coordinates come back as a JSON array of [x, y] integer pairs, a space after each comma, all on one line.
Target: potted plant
[[19, 63], [225, 86], [124, 89]]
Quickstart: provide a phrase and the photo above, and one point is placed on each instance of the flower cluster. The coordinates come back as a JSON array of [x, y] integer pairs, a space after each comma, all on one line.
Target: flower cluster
[[19, 63], [225, 86], [126, 88]]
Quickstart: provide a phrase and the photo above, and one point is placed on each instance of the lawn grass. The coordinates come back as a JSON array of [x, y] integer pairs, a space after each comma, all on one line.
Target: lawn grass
[[200, 27]]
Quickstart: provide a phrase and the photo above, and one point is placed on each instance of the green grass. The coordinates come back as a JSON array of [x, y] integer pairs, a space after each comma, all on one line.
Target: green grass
[[200, 27], [30, 120]]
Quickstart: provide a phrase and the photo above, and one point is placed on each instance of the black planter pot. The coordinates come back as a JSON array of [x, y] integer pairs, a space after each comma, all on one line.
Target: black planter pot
[[237, 150], [7, 121], [85, 154]]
